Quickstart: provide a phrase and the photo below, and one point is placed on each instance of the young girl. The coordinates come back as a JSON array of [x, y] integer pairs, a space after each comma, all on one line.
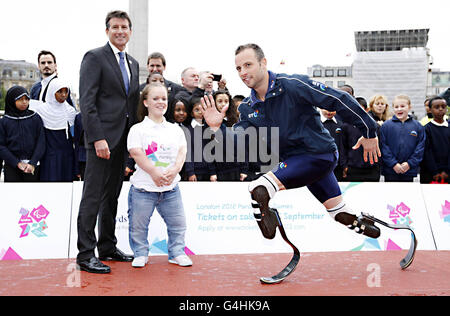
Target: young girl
[[177, 111], [229, 169], [197, 169], [22, 138], [222, 98], [58, 163], [402, 143], [436, 161], [159, 149]]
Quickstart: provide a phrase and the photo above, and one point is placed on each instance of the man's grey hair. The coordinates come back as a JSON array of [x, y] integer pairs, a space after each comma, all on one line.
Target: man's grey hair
[[117, 14]]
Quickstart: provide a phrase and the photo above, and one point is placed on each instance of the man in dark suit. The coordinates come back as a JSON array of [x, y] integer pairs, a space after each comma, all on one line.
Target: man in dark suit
[[109, 95], [156, 62]]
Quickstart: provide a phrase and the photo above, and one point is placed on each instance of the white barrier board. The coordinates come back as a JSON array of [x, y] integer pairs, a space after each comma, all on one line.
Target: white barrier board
[[40, 220], [220, 219], [437, 199], [400, 203], [35, 220]]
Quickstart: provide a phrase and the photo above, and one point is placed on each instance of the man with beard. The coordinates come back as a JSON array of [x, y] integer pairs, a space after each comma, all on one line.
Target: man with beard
[[49, 70]]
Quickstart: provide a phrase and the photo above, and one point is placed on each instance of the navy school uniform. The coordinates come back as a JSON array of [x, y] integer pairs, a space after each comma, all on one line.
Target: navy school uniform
[[401, 142], [229, 168], [334, 127], [195, 161], [58, 163], [21, 138], [436, 153], [358, 169]]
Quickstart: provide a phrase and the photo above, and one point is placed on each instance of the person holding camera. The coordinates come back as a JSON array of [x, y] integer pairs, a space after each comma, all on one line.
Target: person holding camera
[[206, 84]]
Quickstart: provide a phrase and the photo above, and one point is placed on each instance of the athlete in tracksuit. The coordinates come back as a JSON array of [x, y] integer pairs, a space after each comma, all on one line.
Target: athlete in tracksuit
[[308, 154]]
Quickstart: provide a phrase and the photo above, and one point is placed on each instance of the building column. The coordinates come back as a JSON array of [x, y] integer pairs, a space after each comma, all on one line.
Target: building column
[[138, 45]]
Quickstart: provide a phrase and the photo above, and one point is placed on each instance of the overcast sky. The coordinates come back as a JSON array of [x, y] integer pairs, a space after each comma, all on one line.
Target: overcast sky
[[205, 33]]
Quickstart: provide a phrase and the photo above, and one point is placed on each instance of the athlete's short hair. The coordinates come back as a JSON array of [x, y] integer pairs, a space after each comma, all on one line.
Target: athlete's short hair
[[258, 51]]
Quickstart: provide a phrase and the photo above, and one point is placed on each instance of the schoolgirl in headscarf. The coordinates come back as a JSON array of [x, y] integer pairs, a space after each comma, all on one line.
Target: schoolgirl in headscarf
[[58, 163], [22, 138]]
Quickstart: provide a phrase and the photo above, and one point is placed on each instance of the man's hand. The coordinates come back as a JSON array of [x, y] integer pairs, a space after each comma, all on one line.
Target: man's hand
[[205, 81], [102, 149], [21, 165], [222, 84], [212, 117], [29, 169], [371, 149]]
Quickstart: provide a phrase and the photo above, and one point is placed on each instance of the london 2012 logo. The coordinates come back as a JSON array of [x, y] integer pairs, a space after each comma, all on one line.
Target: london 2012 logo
[[33, 222], [445, 212], [400, 214]]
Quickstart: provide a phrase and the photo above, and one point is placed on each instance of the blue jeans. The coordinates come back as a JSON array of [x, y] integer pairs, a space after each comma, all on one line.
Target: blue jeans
[[169, 204]]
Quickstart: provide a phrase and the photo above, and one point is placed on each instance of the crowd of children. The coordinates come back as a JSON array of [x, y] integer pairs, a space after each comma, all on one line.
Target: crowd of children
[[409, 148], [43, 141]]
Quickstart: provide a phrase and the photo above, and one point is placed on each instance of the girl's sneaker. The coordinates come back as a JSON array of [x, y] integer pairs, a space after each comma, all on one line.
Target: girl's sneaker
[[182, 261], [139, 262]]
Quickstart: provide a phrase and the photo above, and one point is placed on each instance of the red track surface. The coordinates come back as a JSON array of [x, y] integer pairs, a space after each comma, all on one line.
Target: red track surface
[[340, 273]]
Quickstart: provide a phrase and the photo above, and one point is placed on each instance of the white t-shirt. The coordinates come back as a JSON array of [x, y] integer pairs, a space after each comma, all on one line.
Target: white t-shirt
[[161, 143]]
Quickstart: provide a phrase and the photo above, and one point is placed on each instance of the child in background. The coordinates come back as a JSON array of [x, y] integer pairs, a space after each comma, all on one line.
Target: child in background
[[228, 168], [355, 168], [436, 163], [58, 163], [159, 149], [22, 138], [223, 98], [402, 143], [177, 112], [197, 169], [334, 127]]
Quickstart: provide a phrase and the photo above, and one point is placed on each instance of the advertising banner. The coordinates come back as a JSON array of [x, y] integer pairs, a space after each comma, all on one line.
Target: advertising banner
[[437, 199], [35, 220], [40, 220]]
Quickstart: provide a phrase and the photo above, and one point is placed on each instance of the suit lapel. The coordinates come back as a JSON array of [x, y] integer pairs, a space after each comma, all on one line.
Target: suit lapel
[[114, 64]]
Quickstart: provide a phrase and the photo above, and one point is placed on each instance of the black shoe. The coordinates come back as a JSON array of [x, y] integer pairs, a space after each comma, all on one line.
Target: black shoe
[[93, 265], [117, 255]]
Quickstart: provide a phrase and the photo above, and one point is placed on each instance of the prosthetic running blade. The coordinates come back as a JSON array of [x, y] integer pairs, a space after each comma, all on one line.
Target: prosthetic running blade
[[278, 278], [408, 259]]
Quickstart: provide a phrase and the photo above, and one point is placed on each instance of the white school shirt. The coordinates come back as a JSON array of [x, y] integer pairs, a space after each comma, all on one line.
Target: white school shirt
[[161, 143]]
